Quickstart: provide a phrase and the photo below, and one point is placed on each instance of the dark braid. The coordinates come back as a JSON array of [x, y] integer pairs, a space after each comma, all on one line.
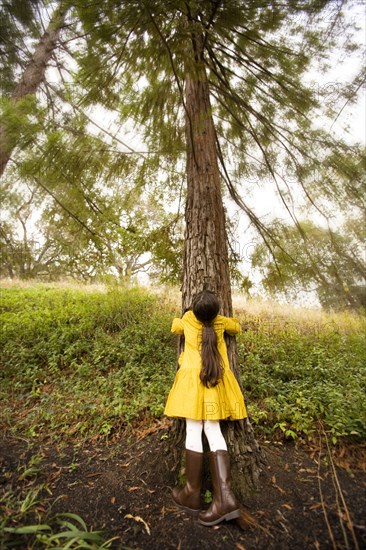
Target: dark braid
[[205, 306]]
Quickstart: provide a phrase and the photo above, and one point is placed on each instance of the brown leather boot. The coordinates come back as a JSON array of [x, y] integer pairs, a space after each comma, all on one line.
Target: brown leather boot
[[224, 505], [189, 497]]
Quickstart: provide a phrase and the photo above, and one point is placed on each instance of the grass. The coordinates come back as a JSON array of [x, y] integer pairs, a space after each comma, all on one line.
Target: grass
[[109, 355]]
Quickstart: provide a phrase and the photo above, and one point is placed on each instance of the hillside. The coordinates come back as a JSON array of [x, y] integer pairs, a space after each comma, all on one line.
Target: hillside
[[85, 376]]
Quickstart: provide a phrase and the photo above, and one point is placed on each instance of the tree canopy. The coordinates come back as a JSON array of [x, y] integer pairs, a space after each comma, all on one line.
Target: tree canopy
[[108, 122]]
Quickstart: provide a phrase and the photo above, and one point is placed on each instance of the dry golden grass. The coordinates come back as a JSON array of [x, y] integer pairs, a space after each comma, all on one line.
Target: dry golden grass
[[306, 318], [269, 311], [64, 284]]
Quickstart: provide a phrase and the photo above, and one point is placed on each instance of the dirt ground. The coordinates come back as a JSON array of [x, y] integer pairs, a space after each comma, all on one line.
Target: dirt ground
[[124, 489]]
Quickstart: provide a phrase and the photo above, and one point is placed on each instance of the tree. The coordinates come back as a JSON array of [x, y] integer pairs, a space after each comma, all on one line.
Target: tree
[[32, 74], [326, 258], [216, 79], [40, 239], [331, 264], [217, 84], [24, 254]]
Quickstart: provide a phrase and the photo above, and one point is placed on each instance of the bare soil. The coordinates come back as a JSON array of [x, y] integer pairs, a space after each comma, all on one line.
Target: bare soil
[[124, 489]]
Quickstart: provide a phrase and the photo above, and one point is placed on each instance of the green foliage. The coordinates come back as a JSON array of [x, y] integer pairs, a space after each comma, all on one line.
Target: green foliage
[[295, 374], [207, 497], [256, 56], [18, 22], [83, 364], [23, 121], [328, 262], [109, 355], [27, 521]]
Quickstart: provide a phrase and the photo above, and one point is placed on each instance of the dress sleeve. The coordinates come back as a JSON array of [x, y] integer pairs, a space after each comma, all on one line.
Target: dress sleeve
[[177, 326], [232, 326]]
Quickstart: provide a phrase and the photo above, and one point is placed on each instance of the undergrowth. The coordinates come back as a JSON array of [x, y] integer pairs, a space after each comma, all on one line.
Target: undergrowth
[[85, 364], [82, 365], [297, 372]]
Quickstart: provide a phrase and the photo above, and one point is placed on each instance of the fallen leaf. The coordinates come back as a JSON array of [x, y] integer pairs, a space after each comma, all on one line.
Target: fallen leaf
[[140, 520], [113, 500], [165, 510], [240, 546], [131, 489], [282, 491], [53, 476], [287, 506], [342, 452], [247, 520]]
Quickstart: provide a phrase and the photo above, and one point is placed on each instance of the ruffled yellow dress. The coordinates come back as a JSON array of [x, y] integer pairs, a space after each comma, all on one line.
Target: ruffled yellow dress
[[189, 398]]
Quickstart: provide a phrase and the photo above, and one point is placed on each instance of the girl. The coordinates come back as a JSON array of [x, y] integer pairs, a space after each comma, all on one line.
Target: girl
[[204, 392]]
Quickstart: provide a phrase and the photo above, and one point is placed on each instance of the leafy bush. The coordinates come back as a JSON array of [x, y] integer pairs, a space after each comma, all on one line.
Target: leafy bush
[[107, 356], [83, 364], [297, 374]]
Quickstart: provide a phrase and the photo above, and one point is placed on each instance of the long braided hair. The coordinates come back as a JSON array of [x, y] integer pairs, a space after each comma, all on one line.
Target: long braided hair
[[205, 307]]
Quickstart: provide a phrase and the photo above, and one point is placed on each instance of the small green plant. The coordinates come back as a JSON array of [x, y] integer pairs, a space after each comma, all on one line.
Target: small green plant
[[27, 523], [63, 531], [207, 497], [32, 469], [26, 519]]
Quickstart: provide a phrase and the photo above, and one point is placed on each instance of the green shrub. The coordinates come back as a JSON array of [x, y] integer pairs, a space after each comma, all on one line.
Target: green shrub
[[83, 364], [295, 378], [107, 356]]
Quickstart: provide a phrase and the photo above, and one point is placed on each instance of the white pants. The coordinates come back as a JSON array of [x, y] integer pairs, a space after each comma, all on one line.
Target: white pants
[[212, 431]]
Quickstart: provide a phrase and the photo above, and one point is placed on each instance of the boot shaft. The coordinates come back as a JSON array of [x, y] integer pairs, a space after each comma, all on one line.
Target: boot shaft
[[193, 469], [224, 505], [189, 497], [221, 480]]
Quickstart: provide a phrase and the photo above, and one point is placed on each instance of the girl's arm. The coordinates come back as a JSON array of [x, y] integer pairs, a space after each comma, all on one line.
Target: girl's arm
[[177, 326], [232, 326]]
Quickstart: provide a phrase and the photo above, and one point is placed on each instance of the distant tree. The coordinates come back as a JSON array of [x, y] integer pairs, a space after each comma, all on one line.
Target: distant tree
[[330, 263], [23, 254], [131, 234]]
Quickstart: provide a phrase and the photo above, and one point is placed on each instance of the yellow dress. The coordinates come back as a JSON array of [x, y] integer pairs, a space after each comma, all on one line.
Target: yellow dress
[[189, 398]]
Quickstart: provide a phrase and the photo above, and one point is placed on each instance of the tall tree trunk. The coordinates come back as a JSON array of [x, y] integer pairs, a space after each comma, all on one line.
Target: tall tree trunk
[[206, 263], [31, 79]]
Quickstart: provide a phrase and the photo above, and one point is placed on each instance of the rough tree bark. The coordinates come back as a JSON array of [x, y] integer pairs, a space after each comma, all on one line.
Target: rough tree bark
[[31, 79], [206, 264]]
